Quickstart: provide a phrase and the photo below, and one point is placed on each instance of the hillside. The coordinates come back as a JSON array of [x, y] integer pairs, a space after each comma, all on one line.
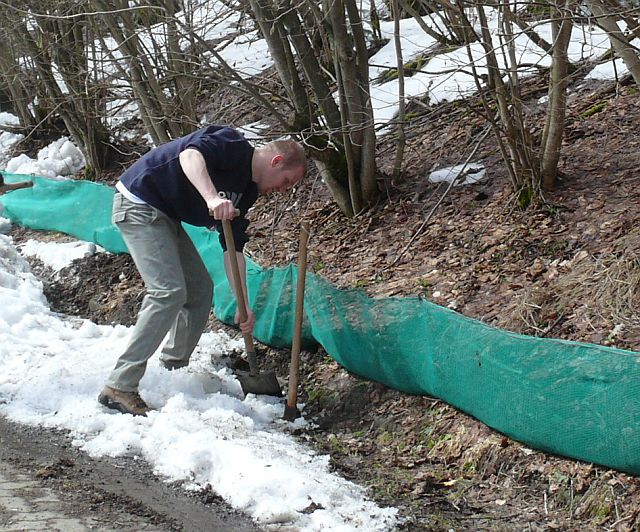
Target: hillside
[[568, 267]]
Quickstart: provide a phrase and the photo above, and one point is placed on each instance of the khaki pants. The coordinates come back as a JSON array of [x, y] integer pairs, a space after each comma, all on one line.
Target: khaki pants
[[179, 291]]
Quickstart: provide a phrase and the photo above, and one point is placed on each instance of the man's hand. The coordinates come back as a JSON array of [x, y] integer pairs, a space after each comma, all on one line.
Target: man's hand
[[221, 209], [246, 326]]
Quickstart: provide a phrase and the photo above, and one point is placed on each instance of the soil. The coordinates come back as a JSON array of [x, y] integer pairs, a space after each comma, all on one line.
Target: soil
[[567, 267], [121, 493]]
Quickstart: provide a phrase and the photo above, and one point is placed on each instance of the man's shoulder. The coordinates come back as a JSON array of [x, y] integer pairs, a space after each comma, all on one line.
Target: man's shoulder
[[220, 131], [214, 138], [225, 144]]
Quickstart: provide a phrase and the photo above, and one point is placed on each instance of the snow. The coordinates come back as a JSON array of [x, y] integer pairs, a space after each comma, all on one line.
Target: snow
[[7, 119], [413, 40], [204, 431], [58, 255], [612, 69], [253, 131], [7, 140], [448, 76], [473, 173], [59, 159]]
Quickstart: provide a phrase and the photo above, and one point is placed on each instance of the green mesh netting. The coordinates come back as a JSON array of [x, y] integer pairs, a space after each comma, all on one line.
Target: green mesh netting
[[568, 398]]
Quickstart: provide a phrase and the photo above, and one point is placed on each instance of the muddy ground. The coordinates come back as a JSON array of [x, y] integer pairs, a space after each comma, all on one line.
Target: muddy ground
[[118, 494], [568, 267]]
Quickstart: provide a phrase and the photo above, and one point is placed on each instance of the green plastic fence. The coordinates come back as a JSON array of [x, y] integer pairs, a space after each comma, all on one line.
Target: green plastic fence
[[567, 398]]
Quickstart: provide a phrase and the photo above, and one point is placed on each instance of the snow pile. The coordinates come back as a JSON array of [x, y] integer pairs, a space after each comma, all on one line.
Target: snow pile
[[7, 119], [9, 139], [612, 69], [60, 158], [58, 255], [5, 223]]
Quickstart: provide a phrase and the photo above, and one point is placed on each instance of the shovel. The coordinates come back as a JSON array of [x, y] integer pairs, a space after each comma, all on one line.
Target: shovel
[[252, 381], [291, 411]]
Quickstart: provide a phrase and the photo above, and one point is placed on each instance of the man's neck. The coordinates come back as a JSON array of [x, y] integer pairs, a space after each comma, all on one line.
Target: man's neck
[[257, 162]]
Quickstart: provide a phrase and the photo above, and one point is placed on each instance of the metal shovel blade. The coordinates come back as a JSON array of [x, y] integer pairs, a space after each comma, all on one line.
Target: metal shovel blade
[[264, 383]]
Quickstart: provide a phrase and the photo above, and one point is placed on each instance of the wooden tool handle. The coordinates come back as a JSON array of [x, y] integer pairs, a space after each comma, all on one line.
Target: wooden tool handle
[[292, 393], [237, 282]]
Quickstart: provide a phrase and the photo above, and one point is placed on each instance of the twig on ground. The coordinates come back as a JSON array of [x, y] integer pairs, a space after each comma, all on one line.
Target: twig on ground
[[550, 328], [444, 195]]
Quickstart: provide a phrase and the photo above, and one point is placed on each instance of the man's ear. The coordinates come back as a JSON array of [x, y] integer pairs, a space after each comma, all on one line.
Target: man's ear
[[276, 160]]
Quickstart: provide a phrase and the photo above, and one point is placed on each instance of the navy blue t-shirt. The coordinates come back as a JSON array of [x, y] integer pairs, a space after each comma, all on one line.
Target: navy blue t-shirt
[[158, 179]]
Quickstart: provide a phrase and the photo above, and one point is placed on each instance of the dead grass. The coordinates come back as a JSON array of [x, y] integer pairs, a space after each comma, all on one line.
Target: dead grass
[[598, 294]]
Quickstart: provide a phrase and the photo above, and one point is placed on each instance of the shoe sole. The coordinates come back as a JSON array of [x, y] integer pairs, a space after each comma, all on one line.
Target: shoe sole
[[172, 367], [114, 405]]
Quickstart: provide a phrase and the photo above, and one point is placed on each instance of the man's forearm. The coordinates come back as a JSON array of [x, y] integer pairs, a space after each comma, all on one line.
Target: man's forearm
[[195, 168]]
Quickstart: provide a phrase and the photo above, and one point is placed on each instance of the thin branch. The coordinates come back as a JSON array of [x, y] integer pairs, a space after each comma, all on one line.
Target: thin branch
[[444, 195], [78, 15]]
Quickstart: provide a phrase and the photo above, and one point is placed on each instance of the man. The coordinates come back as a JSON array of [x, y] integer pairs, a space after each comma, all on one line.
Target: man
[[207, 176]]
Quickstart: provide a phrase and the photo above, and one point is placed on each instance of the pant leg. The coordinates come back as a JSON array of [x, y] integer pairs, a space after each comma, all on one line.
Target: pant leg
[[153, 242], [192, 317]]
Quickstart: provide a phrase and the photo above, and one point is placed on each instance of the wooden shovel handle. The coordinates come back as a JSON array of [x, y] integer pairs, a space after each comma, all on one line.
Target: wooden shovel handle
[[292, 393], [239, 292]]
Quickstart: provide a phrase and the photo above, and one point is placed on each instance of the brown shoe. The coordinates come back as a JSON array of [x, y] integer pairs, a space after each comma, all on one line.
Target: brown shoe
[[125, 402]]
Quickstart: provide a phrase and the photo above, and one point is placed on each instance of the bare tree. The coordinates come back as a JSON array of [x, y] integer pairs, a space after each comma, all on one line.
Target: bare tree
[[54, 36], [532, 162], [143, 76], [397, 164], [61, 52], [16, 79], [339, 130]]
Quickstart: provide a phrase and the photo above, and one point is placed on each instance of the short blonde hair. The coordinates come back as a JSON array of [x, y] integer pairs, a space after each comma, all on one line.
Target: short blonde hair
[[292, 151]]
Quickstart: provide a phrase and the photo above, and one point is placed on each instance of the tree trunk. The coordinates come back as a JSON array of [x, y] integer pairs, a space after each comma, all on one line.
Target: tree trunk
[[397, 163], [283, 59], [85, 128], [618, 40], [551, 143], [363, 114], [11, 73], [310, 65], [332, 168], [184, 88], [343, 147]]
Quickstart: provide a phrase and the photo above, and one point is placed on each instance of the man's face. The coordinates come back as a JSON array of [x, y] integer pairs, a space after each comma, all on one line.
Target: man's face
[[277, 178]]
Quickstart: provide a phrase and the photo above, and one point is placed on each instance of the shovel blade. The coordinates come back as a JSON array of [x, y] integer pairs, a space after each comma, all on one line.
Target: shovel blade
[[260, 384]]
